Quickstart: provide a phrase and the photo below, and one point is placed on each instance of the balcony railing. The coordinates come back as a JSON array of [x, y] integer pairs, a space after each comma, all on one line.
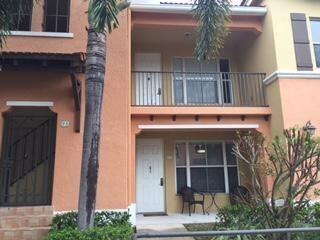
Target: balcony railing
[[196, 89]]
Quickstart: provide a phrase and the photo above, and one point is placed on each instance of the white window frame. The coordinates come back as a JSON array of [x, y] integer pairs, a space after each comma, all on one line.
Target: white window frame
[[313, 19], [188, 166], [220, 95]]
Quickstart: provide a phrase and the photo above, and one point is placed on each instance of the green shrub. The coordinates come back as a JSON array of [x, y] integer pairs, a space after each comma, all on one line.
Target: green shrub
[[107, 226], [64, 221], [111, 218], [112, 232], [240, 217], [102, 219]]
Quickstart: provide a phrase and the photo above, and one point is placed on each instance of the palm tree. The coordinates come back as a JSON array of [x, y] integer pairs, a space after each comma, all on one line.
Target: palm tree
[[212, 16], [102, 19]]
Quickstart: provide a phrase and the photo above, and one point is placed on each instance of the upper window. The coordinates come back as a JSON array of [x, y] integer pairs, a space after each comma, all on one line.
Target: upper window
[[57, 13], [315, 33], [206, 167], [22, 15]]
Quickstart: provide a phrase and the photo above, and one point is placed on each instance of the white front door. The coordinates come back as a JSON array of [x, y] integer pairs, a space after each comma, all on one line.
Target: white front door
[[150, 171], [148, 79]]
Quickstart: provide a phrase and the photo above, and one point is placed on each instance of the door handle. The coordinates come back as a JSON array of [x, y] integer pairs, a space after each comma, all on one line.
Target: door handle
[[159, 91], [161, 181]]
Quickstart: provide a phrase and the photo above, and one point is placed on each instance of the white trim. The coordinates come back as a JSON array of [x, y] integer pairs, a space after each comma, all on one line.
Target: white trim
[[188, 166], [225, 167], [291, 75], [132, 210], [29, 104], [41, 34], [185, 8], [200, 126]]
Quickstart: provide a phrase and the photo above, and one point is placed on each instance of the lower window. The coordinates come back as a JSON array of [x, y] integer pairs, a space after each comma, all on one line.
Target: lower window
[[206, 166]]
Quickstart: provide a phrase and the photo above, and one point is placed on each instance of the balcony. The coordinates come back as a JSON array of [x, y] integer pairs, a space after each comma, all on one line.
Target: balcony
[[217, 89]]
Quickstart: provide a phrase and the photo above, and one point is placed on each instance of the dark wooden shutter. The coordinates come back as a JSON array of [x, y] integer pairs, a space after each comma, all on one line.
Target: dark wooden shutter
[[301, 42]]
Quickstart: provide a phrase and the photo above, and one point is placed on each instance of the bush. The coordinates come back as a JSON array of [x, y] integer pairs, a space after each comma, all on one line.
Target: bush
[[120, 232], [102, 219], [240, 217], [107, 226]]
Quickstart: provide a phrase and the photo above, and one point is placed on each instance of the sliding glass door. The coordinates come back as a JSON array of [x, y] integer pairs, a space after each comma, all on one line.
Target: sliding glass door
[[198, 82]]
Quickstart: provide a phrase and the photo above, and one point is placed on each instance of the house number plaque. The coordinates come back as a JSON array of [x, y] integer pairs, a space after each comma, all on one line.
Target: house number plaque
[[65, 123]]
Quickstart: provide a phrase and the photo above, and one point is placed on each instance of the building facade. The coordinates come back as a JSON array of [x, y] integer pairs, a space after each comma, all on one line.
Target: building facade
[[168, 121]]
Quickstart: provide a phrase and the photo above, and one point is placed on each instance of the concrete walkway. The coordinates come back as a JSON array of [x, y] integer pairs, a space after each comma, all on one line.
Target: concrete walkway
[[175, 219], [171, 223], [164, 228]]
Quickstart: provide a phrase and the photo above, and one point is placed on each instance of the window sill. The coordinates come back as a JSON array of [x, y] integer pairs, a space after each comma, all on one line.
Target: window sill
[[41, 34]]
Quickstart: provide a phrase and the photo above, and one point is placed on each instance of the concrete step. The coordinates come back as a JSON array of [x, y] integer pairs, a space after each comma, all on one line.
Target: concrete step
[[25, 221], [38, 233], [26, 211]]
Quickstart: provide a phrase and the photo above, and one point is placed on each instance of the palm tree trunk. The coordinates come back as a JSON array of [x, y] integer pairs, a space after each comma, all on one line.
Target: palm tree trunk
[[95, 75]]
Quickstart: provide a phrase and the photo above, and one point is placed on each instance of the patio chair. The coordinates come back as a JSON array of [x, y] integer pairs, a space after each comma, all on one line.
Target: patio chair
[[239, 194], [188, 196]]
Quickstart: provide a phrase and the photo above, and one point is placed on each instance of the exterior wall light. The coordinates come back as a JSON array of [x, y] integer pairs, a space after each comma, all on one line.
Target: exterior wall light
[[311, 129], [200, 148]]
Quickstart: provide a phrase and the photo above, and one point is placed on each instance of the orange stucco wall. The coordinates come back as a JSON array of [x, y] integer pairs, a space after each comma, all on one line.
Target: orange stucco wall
[[300, 101], [56, 87], [116, 188]]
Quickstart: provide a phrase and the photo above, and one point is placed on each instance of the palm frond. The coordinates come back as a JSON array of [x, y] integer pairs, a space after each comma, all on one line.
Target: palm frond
[[6, 8], [7, 19], [212, 17], [103, 14]]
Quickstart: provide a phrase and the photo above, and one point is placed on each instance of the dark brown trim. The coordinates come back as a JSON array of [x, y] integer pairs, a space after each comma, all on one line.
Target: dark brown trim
[[301, 42], [76, 89]]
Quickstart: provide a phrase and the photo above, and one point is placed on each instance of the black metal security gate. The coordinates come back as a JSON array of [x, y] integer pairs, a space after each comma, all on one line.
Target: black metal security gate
[[28, 153]]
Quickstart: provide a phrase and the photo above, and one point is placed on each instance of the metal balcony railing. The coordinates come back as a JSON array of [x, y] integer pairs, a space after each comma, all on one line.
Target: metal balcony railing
[[198, 89], [282, 233]]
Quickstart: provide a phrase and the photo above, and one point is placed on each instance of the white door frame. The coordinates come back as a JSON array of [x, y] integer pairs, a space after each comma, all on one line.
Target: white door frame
[[162, 208]]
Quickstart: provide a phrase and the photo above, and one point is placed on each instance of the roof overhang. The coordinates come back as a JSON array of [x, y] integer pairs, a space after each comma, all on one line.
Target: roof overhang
[[185, 9]]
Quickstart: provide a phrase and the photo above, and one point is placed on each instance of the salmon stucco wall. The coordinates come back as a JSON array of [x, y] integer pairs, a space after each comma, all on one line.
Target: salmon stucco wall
[[300, 101]]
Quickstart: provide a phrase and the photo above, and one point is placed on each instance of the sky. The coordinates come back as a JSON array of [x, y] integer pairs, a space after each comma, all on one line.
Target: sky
[[236, 2]]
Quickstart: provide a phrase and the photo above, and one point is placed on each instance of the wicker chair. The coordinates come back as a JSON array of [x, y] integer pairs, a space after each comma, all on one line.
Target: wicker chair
[[188, 197]]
